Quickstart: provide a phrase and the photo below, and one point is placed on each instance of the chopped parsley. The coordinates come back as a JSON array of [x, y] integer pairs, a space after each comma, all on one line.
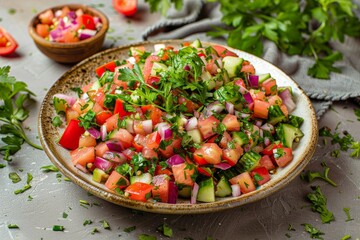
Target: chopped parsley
[[347, 212], [165, 230], [49, 168], [12, 226], [14, 177], [27, 185], [146, 237], [56, 121], [314, 233], [319, 201], [129, 229], [105, 224], [310, 176], [58, 228], [87, 222], [65, 215]]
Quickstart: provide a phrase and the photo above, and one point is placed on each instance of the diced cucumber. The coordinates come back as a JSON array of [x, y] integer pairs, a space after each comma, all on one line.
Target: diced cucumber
[[158, 67], [288, 134], [240, 138], [232, 65], [96, 85], [250, 160], [144, 178], [223, 188], [296, 121], [99, 175], [60, 105], [205, 76], [185, 192], [276, 115], [206, 191], [195, 135], [196, 43], [263, 77]]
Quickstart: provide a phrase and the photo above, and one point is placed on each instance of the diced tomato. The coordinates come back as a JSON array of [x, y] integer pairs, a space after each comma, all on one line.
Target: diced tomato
[[128, 153], [86, 21], [208, 126], [160, 170], [204, 171], [97, 108], [64, 11], [116, 180], [139, 191], [101, 149], [266, 162], [83, 156], [149, 62], [225, 139], [223, 52], [153, 140], [257, 94], [284, 110], [42, 30], [248, 69], [70, 36], [283, 156], [123, 136], [125, 7], [269, 149], [153, 81], [153, 113], [119, 108], [190, 105], [269, 86], [198, 157], [110, 66], [231, 123], [149, 153], [70, 137], [211, 152], [240, 82], [47, 17], [82, 106], [183, 173], [138, 127], [86, 140], [245, 181], [275, 100], [139, 142], [232, 156], [112, 122], [102, 116], [161, 188], [8, 44], [261, 109], [71, 114], [211, 67], [260, 175], [169, 150]]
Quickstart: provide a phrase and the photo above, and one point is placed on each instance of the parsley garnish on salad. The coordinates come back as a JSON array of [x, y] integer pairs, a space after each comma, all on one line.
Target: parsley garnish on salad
[[318, 200], [14, 95]]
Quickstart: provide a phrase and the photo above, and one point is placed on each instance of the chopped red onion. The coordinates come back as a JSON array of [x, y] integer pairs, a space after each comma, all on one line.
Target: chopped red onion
[[69, 99], [247, 147], [187, 68], [114, 145], [241, 114], [94, 133], [219, 62], [191, 124], [216, 107], [254, 81], [196, 114], [164, 129], [222, 166], [81, 168], [235, 190], [261, 133], [229, 107], [248, 98], [173, 192], [258, 123], [115, 157], [86, 33], [56, 34], [268, 127], [147, 126], [103, 132], [194, 193], [287, 100], [72, 15], [267, 141], [175, 160], [103, 164]]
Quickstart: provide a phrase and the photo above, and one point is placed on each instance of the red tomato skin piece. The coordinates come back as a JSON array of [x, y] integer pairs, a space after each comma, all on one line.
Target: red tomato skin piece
[[223, 52], [8, 44], [139, 191], [70, 137], [261, 172], [126, 7]]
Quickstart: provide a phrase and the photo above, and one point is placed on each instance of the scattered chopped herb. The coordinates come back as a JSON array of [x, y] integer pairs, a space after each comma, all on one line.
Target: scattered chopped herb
[[291, 228], [96, 204], [165, 230], [287, 235], [356, 152], [357, 113], [2, 165], [56, 121], [67, 179], [335, 153], [12, 226], [27, 185], [310, 176], [14, 94], [87, 222], [146, 237], [314, 233], [58, 176], [318, 201], [346, 237], [77, 90], [129, 229], [12, 11], [14, 177], [30, 198], [58, 228], [84, 202], [65, 215], [49, 168], [105, 224], [347, 212], [95, 230]]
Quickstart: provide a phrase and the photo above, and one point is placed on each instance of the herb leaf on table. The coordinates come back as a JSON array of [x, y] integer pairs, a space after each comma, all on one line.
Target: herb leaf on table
[[14, 94], [318, 200]]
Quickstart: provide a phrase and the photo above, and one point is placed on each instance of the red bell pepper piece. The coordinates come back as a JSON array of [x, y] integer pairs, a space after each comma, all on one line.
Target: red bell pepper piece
[[71, 135]]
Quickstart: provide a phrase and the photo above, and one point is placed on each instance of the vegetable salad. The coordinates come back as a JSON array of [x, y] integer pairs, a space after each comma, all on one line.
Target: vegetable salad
[[195, 122]]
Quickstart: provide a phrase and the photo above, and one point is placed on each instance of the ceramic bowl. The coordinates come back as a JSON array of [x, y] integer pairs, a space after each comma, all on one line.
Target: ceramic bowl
[[71, 52], [84, 72]]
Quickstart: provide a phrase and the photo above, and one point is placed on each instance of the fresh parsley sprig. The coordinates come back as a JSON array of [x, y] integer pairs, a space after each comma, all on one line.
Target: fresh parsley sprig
[[318, 200], [14, 94]]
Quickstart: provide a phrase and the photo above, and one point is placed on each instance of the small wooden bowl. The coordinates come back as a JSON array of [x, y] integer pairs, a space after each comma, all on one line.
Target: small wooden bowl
[[71, 52]]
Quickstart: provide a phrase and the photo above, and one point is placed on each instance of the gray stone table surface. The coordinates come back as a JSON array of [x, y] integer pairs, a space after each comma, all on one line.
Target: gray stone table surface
[[52, 196]]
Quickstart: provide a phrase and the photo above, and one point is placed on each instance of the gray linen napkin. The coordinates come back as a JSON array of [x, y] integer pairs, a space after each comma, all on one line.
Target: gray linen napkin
[[192, 23]]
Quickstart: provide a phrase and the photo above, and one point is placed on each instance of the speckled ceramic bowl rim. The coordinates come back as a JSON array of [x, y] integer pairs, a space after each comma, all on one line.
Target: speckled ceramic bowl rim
[[49, 44], [183, 208]]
